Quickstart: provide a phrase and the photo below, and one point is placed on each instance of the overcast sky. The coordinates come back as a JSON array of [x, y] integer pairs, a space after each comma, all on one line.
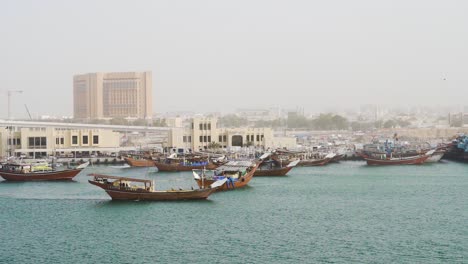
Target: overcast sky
[[221, 55]]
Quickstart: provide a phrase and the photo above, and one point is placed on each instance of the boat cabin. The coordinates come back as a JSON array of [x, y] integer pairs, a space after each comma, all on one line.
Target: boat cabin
[[25, 168], [122, 183], [232, 170]]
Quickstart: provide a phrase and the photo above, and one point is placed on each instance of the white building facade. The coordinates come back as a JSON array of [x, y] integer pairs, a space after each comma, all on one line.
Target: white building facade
[[202, 133], [45, 141]]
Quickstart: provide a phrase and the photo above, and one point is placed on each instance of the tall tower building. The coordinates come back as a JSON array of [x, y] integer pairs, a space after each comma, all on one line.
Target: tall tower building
[[109, 95]]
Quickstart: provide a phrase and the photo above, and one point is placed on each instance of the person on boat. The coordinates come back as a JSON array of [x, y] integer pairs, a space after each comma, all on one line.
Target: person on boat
[[229, 182]]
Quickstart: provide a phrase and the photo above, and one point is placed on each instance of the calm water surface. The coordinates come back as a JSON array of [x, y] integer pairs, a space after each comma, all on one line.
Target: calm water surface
[[341, 213]]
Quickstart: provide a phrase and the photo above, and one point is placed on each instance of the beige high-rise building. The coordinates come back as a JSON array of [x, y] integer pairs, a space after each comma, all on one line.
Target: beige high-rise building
[[116, 94]]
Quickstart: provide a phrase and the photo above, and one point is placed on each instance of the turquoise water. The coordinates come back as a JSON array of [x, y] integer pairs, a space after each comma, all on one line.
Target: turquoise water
[[341, 213]]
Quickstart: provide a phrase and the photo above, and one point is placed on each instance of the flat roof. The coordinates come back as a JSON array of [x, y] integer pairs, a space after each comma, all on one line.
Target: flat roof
[[118, 178]]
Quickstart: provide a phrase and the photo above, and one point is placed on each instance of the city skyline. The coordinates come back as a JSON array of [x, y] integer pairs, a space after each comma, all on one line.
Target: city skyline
[[211, 56]]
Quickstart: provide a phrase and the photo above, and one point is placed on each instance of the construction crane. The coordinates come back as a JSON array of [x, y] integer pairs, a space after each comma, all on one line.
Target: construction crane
[[27, 110], [10, 93]]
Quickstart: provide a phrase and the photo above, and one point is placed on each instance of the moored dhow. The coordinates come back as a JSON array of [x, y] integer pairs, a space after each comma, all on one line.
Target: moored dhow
[[318, 161], [186, 163], [31, 172], [139, 162], [413, 160], [237, 174], [307, 159], [271, 167], [436, 156], [123, 188], [458, 149]]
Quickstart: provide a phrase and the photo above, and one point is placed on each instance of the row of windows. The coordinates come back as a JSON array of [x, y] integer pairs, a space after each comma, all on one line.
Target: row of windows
[[205, 138], [37, 129], [223, 138], [204, 126], [37, 142], [14, 141], [187, 139], [120, 84], [59, 141], [85, 140], [252, 137]]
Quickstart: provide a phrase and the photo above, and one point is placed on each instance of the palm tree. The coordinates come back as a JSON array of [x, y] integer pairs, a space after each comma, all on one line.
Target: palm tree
[[214, 145]]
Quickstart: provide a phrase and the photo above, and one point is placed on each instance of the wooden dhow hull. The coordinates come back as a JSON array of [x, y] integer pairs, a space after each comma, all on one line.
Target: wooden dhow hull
[[317, 162], [139, 162], [242, 182], [175, 195], [398, 161], [40, 176], [436, 157], [337, 158], [272, 172], [177, 167]]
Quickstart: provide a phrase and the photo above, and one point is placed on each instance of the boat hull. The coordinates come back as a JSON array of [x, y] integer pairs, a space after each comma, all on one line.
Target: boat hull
[[139, 162], [403, 161], [436, 157], [118, 194], [456, 154], [272, 172], [337, 158], [310, 163], [177, 167], [230, 185], [45, 176]]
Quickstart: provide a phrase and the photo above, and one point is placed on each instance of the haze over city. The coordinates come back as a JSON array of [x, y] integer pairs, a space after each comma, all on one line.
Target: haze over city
[[219, 56], [260, 131]]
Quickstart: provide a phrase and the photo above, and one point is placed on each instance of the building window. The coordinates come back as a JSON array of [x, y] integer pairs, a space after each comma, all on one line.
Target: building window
[[62, 141], [209, 139], [37, 142], [57, 141], [74, 140], [224, 138], [261, 137], [201, 138], [220, 138], [258, 137], [201, 126], [205, 139], [189, 138], [18, 141], [85, 140], [209, 126], [184, 139], [95, 139]]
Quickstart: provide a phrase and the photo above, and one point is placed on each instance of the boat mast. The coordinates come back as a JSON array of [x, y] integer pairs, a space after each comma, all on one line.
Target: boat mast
[[203, 178]]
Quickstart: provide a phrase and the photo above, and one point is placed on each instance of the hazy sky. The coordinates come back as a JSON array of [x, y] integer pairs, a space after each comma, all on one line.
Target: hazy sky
[[221, 55]]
